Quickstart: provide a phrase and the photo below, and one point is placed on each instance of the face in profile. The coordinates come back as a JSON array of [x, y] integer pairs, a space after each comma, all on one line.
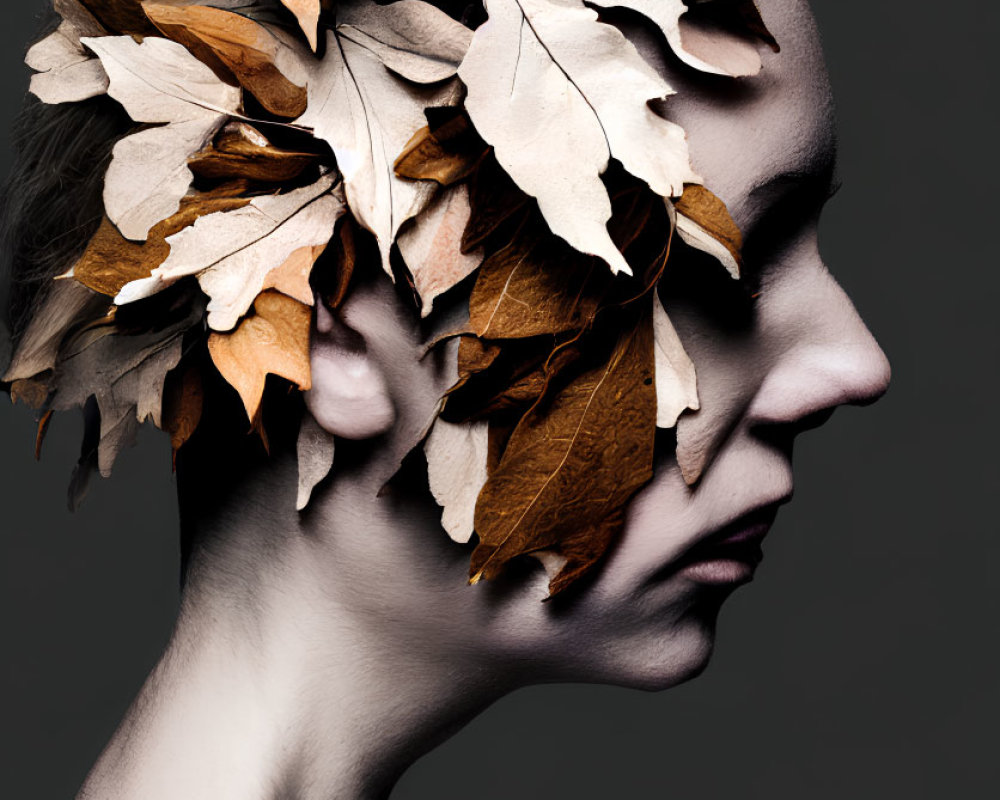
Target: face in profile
[[775, 355], [330, 546]]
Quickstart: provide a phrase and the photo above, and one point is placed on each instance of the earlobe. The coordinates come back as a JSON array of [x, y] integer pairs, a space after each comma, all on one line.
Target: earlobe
[[349, 395]]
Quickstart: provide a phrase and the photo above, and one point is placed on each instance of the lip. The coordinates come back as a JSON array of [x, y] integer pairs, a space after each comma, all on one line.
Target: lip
[[729, 555]]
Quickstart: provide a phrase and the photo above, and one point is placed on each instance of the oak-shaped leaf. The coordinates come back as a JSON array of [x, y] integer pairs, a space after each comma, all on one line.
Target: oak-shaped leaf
[[272, 341], [125, 371], [157, 81], [574, 460], [381, 69], [65, 71], [558, 94], [233, 252], [111, 261]]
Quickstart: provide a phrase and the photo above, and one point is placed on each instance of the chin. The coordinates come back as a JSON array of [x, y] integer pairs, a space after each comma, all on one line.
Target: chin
[[651, 660]]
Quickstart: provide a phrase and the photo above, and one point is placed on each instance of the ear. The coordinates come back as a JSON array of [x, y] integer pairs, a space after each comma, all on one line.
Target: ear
[[350, 396]]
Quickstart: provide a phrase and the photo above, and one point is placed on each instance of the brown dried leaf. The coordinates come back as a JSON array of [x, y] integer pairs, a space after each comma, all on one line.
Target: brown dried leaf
[[183, 401], [446, 151], [237, 47], [33, 392], [275, 340], [241, 151], [704, 222], [111, 261], [573, 462], [121, 16]]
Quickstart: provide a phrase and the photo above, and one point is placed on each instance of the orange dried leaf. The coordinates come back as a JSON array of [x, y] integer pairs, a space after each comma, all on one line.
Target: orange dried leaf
[[43, 428], [307, 13], [275, 340], [233, 45], [292, 277]]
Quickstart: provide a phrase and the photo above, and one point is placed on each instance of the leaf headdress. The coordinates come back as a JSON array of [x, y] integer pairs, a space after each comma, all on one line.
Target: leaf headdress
[[517, 145]]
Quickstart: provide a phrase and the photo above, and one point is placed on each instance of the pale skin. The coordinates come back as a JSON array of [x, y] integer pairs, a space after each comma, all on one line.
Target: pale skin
[[317, 656]]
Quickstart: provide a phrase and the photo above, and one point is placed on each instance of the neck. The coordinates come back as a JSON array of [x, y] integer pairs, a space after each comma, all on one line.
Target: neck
[[278, 685]]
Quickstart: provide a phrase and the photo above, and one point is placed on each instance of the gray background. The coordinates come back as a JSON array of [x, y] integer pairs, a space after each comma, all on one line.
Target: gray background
[[862, 663]]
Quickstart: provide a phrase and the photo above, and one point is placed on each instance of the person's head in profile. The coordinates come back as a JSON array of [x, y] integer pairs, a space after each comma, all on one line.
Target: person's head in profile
[[481, 332]]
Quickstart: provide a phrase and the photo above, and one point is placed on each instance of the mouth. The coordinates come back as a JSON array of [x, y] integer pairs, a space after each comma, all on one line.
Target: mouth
[[731, 554]]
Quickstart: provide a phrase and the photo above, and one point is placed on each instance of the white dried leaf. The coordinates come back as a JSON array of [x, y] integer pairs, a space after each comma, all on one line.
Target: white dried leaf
[[694, 235], [432, 246], [315, 450], [456, 471], [233, 252], [367, 114], [158, 81], [412, 38], [700, 47], [557, 94], [65, 71], [676, 383]]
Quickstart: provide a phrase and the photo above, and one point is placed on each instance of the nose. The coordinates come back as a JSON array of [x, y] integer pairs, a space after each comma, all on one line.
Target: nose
[[825, 357]]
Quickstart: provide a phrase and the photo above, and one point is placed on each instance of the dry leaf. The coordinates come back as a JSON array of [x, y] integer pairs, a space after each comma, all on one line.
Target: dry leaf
[[183, 402], [67, 306], [65, 71], [315, 450], [111, 261], [431, 246], [573, 462], [33, 392], [157, 81], [456, 471], [703, 222], [292, 277], [242, 151], [260, 57], [125, 372], [275, 340], [412, 38], [446, 152], [698, 44], [232, 252], [43, 428], [545, 88], [676, 382], [121, 16], [307, 13], [367, 114]]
